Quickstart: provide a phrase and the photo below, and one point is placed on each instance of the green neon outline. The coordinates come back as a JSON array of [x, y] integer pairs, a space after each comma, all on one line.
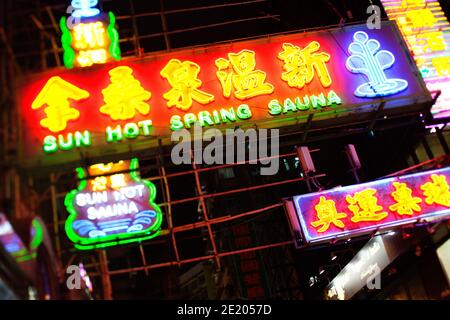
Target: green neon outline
[[66, 40], [27, 257], [38, 235], [115, 243], [117, 239], [23, 254], [114, 48], [20, 253]]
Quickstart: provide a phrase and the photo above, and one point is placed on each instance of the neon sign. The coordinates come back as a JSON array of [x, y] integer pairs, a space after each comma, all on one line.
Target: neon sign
[[426, 30], [111, 207], [300, 65], [367, 58], [89, 37], [183, 78], [14, 245], [238, 73], [124, 95], [279, 82], [84, 8], [382, 204], [55, 96]]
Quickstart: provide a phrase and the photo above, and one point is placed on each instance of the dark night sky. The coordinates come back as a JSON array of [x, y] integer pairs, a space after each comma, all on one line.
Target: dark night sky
[[279, 16]]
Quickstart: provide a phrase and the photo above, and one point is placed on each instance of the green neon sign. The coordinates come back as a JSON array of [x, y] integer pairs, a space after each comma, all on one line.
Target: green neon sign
[[85, 45], [111, 207], [14, 244]]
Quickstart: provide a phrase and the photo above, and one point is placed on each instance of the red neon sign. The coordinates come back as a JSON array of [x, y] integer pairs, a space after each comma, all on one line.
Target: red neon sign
[[377, 205], [271, 83]]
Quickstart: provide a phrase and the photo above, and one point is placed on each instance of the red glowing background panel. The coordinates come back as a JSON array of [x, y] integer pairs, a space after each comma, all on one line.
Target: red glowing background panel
[[147, 72], [434, 202]]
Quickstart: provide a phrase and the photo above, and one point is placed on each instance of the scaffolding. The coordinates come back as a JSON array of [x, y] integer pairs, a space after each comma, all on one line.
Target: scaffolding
[[209, 226], [31, 37]]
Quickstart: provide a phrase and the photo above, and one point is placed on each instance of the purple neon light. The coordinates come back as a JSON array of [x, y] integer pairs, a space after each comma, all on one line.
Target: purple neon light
[[306, 213]]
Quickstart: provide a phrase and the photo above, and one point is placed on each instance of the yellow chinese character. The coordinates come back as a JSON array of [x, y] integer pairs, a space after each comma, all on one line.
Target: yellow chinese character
[[421, 18], [89, 57], [437, 191], [442, 65], [239, 72], [364, 206], [99, 184], [55, 96], [103, 167], [412, 3], [301, 65], [89, 35], [327, 214], [124, 95], [183, 77], [405, 28], [406, 204], [118, 181], [432, 41]]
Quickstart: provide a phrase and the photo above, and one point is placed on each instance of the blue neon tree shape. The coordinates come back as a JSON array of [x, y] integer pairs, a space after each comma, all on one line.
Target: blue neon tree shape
[[367, 58]]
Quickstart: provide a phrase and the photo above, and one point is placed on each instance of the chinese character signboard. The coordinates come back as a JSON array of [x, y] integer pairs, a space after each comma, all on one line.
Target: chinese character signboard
[[427, 33], [377, 205], [335, 75], [88, 36], [111, 205]]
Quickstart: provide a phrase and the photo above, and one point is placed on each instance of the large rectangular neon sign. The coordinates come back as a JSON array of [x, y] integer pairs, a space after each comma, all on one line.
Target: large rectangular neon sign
[[427, 33], [377, 205], [268, 82]]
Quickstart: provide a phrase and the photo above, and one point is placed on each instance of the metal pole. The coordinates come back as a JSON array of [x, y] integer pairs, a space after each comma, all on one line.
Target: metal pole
[[225, 219], [137, 44], [224, 193], [169, 210], [442, 141], [205, 214], [203, 258], [55, 214], [164, 25], [195, 9], [106, 280], [144, 261]]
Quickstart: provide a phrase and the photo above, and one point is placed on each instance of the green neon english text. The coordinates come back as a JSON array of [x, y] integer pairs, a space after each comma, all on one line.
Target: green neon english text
[[211, 118], [130, 130], [68, 142], [307, 102]]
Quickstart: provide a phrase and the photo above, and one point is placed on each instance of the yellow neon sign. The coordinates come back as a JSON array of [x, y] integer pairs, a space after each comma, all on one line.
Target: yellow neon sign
[[427, 33], [183, 77], [405, 204], [91, 41], [55, 96], [239, 73], [301, 65], [124, 95]]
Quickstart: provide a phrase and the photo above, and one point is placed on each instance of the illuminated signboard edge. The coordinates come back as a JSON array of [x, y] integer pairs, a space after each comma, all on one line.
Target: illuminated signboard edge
[[365, 230], [86, 244]]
